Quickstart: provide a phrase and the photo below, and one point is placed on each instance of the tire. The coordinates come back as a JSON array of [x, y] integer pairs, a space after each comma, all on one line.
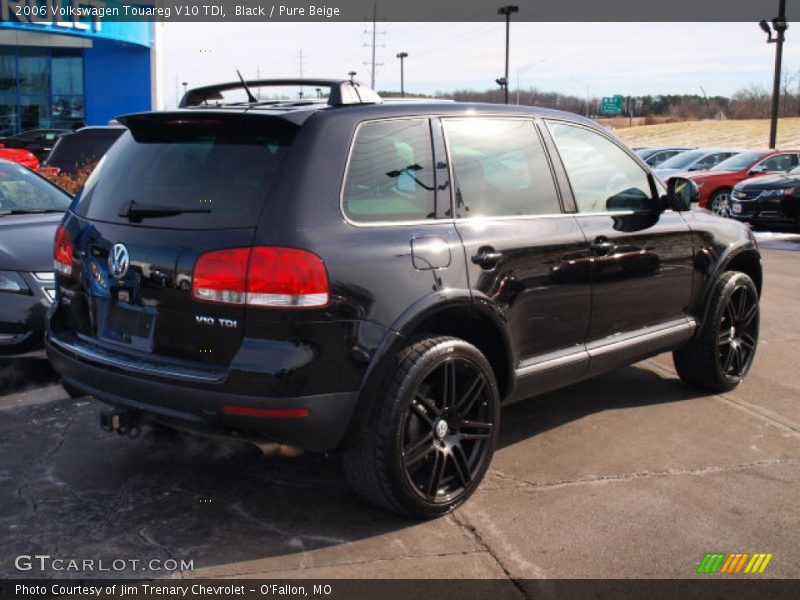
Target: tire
[[428, 443], [72, 391], [722, 352], [720, 202]]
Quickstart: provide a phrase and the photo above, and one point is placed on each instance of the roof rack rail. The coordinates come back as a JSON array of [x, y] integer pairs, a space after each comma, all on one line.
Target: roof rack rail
[[343, 92]]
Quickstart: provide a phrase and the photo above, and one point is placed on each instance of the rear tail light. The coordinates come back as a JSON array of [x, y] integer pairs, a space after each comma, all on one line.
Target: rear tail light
[[62, 251], [49, 171], [262, 276]]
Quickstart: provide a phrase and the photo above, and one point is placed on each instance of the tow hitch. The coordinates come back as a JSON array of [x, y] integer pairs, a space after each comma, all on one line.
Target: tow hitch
[[124, 422]]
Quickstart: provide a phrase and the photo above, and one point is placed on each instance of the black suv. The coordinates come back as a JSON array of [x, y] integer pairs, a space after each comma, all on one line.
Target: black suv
[[381, 278]]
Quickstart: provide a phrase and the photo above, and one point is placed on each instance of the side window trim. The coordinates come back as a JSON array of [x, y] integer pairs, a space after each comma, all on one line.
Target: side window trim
[[654, 192], [553, 172], [568, 204], [443, 180]]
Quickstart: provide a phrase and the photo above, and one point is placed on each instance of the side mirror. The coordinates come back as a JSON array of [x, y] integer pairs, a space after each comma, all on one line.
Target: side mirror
[[682, 193], [758, 170]]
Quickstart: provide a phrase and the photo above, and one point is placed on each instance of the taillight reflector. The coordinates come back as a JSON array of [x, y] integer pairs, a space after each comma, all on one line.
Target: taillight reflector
[[262, 276], [62, 251], [275, 413]]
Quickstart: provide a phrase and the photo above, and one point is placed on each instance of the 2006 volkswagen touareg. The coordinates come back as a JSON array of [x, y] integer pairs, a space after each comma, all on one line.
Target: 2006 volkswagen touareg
[[382, 277]]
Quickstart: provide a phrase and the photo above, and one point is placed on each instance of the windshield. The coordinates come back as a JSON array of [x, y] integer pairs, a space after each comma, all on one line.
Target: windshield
[[738, 162], [683, 160], [22, 190], [203, 173]]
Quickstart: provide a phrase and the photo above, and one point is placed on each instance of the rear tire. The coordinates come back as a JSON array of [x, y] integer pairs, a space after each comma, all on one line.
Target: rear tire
[[432, 431], [722, 352]]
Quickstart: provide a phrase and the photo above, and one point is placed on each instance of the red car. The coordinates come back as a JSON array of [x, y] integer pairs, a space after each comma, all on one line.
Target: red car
[[717, 183], [22, 157]]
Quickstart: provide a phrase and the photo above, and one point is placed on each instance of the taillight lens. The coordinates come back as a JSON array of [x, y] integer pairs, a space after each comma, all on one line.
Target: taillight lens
[[221, 276], [262, 276], [287, 278], [62, 251]]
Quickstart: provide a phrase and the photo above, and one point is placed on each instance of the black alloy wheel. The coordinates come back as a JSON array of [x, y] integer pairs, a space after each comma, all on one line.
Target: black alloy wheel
[[447, 431], [738, 332]]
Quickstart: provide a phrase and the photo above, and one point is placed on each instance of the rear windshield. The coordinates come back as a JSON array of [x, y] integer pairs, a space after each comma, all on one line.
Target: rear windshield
[[83, 148], [217, 171]]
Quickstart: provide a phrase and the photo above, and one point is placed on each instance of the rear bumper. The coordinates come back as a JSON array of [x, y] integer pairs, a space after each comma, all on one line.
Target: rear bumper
[[323, 427]]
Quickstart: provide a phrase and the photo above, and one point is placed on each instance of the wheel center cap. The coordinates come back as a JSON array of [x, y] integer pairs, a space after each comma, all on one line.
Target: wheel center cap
[[440, 428]]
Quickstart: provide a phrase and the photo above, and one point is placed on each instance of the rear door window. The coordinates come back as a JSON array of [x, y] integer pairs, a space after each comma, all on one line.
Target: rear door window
[[500, 168], [390, 172], [215, 171], [81, 148]]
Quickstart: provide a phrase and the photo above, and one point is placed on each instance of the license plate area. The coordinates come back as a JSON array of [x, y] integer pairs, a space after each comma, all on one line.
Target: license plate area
[[126, 324]]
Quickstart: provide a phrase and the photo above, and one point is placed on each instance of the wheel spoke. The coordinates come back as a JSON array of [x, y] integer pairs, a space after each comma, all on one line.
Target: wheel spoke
[[449, 384], [748, 341], [421, 406], [419, 450], [428, 403], [461, 464], [741, 305], [726, 364], [475, 430], [749, 315], [473, 393], [724, 338], [437, 472]]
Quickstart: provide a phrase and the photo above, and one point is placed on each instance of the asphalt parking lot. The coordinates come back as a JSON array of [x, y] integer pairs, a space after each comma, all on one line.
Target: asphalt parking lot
[[629, 475]]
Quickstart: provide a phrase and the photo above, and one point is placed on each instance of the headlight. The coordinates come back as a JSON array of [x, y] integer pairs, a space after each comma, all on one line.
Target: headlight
[[774, 193], [13, 283]]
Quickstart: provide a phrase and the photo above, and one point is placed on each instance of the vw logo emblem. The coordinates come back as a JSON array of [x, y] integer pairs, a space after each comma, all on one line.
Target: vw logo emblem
[[118, 261]]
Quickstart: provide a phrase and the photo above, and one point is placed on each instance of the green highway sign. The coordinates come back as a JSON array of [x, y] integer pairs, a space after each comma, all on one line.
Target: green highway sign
[[612, 105]]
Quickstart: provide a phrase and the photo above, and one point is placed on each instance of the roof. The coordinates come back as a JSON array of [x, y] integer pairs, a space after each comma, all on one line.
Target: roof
[[351, 96]]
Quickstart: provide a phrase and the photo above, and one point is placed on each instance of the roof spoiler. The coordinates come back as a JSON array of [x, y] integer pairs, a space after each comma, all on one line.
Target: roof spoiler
[[343, 92]]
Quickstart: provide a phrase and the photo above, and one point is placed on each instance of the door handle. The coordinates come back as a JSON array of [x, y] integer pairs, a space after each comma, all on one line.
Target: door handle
[[601, 244], [487, 257]]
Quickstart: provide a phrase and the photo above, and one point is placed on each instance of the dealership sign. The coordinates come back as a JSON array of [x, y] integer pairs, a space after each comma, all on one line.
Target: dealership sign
[[86, 18]]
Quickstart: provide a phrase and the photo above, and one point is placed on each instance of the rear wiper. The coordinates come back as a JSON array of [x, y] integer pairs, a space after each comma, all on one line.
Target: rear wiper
[[135, 212]]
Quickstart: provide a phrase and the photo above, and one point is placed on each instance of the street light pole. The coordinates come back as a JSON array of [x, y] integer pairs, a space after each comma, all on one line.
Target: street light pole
[[507, 11], [402, 56], [780, 26]]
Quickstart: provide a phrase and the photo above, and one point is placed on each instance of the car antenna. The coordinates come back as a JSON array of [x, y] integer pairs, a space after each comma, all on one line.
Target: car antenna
[[250, 97]]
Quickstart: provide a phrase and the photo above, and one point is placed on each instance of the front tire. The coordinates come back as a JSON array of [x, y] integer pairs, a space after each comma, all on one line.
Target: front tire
[[720, 202], [432, 432], [722, 352]]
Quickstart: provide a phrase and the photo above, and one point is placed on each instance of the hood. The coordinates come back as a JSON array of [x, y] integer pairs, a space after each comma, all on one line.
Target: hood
[[770, 182], [26, 241]]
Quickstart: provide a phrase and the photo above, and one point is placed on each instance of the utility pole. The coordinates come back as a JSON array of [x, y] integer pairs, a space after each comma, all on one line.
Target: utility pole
[[779, 25], [507, 11], [402, 56], [374, 45], [301, 70]]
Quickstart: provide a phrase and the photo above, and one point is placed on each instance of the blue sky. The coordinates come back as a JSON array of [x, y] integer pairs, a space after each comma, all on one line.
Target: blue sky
[[608, 58]]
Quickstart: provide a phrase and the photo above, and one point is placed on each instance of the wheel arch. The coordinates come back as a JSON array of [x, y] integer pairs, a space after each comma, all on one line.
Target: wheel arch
[[454, 313], [742, 257]]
